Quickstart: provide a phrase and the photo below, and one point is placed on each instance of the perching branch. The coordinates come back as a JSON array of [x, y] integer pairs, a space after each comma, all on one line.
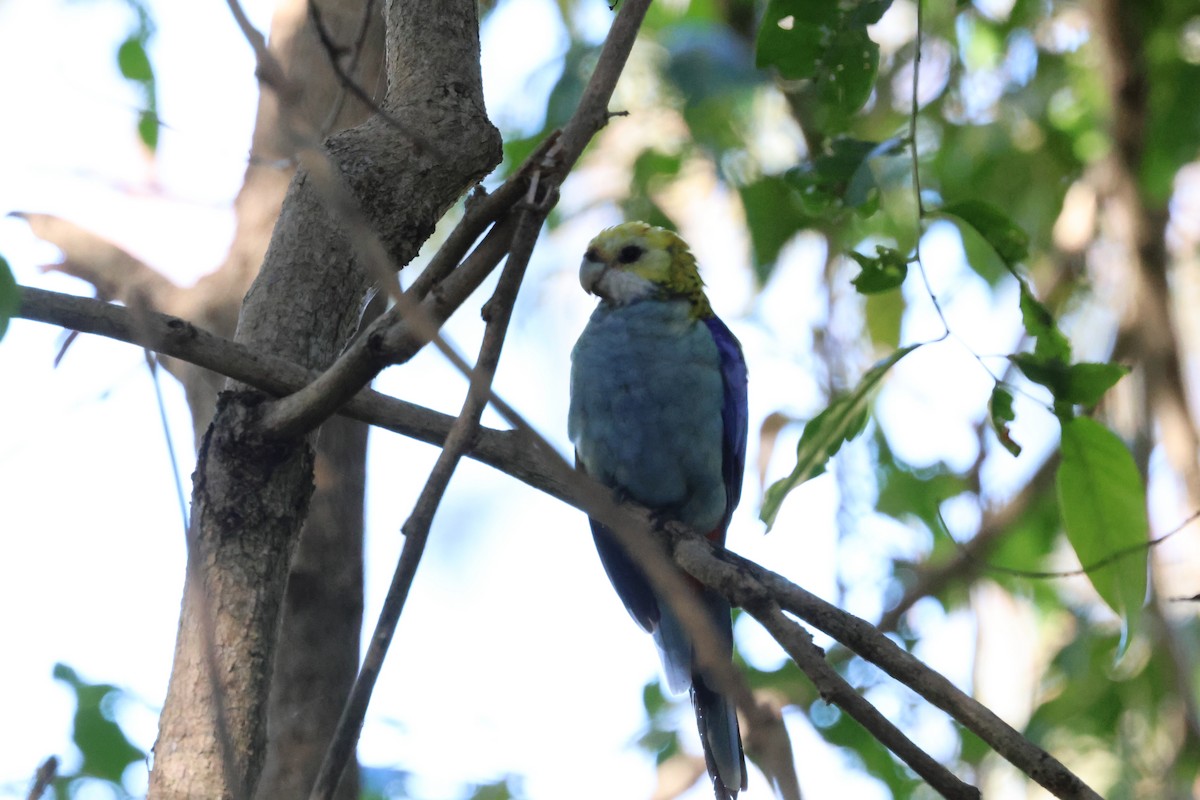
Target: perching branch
[[751, 585], [744, 582]]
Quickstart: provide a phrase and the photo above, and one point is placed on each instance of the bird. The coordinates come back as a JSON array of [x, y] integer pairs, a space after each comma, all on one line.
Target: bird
[[658, 414]]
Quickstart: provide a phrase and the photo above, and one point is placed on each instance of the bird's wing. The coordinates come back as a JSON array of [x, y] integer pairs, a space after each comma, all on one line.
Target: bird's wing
[[734, 416]]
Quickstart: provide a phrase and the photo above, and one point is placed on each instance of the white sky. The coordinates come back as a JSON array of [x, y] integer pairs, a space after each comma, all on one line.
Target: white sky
[[496, 668]]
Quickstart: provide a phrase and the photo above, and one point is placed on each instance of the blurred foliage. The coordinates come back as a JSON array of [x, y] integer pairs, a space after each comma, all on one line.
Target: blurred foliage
[[844, 419], [661, 736], [1014, 112], [9, 297], [388, 783], [133, 61], [105, 750]]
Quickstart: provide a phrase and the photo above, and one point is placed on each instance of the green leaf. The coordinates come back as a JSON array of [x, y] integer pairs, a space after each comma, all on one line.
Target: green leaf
[[863, 186], [653, 698], [824, 435], [10, 296], [906, 491], [133, 61], [105, 748], [1049, 372], [841, 177], [1071, 384], [772, 219], [1087, 382], [503, 789], [147, 128], [1000, 409], [981, 256], [1103, 504], [885, 313], [794, 46], [1006, 237], [883, 273], [825, 42], [660, 737], [1050, 343]]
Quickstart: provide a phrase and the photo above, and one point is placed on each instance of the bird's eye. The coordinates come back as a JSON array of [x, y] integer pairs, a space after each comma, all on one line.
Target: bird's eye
[[629, 254]]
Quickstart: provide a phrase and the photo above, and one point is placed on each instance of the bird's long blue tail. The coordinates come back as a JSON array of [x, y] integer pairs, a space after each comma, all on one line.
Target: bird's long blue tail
[[716, 718]]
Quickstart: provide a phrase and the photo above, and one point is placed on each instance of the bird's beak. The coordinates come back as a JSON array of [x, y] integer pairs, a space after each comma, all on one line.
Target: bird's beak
[[590, 273]]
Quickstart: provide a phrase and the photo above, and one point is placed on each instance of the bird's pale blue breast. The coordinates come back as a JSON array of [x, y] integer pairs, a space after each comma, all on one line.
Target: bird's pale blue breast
[[646, 403]]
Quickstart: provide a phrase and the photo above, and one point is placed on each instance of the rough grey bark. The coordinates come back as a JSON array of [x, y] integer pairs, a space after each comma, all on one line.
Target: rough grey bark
[[317, 655], [216, 299], [318, 650], [251, 493]]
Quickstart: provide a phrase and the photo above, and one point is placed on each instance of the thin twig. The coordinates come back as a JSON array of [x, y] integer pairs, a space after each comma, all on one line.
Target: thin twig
[[43, 778], [364, 25], [916, 175], [267, 67], [348, 82], [362, 360], [834, 689], [416, 528], [1095, 566], [481, 210], [152, 364]]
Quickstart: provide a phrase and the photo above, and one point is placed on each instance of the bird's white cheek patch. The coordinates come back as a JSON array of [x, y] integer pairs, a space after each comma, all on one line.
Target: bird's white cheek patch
[[622, 287]]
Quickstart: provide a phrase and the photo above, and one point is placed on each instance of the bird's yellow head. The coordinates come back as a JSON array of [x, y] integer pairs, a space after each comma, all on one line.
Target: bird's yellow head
[[635, 261]]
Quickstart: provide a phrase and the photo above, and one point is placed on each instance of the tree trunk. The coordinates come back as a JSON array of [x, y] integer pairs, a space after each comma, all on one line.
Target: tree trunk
[[250, 492]]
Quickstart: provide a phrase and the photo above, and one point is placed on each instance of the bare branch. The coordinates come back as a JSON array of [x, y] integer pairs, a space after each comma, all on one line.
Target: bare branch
[[416, 528], [971, 557], [43, 778], [116, 274], [751, 586], [834, 689], [362, 360], [358, 365], [534, 463], [271, 374]]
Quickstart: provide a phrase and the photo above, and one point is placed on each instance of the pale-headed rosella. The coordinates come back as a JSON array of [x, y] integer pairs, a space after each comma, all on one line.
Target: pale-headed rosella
[[658, 414]]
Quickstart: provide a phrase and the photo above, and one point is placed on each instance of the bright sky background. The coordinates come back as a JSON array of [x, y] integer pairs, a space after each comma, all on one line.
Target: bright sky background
[[499, 666]]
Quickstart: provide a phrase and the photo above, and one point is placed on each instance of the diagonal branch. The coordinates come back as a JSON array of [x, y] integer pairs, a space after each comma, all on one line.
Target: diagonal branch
[[834, 689], [971, 558], [358, 365], [751, 585], [362, 360], [114, 272], [416, 528], [533, 463]]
